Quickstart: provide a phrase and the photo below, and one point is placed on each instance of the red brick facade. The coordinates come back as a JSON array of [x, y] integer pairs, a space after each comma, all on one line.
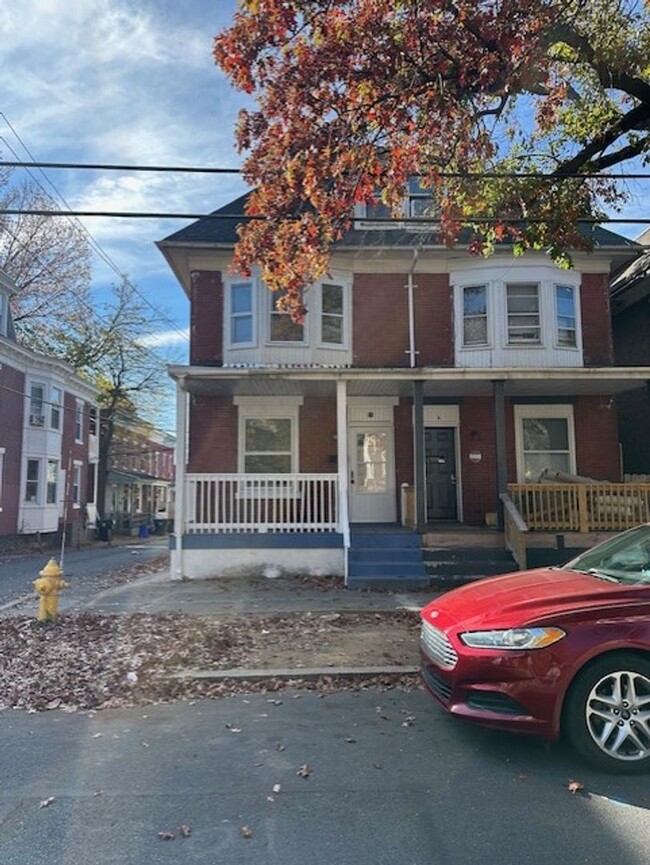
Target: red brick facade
[[206, 318], [597, 344]]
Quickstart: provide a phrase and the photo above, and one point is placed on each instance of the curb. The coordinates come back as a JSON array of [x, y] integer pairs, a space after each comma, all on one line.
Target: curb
[[299, 673]]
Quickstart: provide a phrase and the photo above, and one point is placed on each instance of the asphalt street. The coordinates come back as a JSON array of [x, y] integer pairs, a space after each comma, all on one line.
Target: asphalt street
[[82, 568], [390, 780]]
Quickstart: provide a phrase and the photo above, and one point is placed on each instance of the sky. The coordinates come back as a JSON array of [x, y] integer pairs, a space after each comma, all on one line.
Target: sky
[[111, 81]]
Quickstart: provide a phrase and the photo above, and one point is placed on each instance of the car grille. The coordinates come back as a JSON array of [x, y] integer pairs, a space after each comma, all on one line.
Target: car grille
[[437, 685], [438, 647]]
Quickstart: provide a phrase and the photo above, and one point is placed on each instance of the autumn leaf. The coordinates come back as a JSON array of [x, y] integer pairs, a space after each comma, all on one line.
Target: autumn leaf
[[246, 832], [304, 771], [166, 836], [574, 786]]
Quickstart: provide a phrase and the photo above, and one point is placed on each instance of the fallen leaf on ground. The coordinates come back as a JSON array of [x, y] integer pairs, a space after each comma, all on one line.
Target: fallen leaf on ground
[[276, 788], [246, 832], [46, 802], [166, 836], [304, 771], [575, 786], [184, 831]]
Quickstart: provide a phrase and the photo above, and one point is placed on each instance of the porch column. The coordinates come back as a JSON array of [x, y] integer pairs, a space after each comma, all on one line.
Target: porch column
[[342, 457], [500, 440], [418, 456], [180, 460]]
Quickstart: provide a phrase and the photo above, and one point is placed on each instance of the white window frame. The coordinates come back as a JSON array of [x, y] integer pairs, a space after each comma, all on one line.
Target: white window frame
[[36, 415], [36, 501], [56, 407], [525, 343], [230, 283], [560, 411], [51, 485], [488, 328], [75, 483], [93, 420], [286, 408], [576, 316], [79, 421], [346, 287], [270, 311]]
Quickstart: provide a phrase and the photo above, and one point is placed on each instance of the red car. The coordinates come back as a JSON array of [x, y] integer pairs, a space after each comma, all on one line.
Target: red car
[[561, 650]]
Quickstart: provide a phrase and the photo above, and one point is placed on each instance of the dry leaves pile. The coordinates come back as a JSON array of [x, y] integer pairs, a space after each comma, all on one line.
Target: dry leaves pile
[[88, 660]]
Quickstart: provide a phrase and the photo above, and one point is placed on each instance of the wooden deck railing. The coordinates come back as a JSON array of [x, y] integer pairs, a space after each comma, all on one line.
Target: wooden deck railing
[[261, 503], [582, 507]]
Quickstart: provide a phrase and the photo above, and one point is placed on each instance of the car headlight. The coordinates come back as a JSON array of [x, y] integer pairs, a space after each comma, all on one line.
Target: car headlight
[[513, 638]]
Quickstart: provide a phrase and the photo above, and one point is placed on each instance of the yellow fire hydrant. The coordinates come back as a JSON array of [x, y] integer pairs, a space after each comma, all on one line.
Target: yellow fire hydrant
[[48, 586]]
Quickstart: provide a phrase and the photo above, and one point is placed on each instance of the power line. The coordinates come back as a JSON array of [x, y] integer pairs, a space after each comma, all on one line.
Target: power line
[[244, 217], [202, 169], [100, 251]]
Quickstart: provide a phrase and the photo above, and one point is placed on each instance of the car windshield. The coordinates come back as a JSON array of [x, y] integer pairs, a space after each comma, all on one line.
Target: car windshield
[[624, 559]]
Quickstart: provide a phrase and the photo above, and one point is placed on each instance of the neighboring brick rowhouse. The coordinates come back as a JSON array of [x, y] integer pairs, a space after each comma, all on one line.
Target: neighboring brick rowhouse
[[380, 320], [596, 431], [596, 320], [206, 322], [213, 434]]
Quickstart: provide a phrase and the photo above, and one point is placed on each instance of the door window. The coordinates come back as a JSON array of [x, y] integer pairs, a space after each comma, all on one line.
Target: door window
[[371, 455]]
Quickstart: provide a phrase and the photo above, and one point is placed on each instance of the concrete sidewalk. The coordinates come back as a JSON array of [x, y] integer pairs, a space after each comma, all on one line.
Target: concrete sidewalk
[[236, 596]]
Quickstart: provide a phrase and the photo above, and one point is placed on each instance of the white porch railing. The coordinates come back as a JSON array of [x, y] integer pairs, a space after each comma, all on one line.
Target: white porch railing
[[261, 503]]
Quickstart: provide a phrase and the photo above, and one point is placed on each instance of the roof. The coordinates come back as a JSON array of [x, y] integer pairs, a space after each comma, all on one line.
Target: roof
[[223, 232]]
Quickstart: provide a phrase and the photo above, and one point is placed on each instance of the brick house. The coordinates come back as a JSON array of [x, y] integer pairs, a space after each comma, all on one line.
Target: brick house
[[422, 378], [48, 440]]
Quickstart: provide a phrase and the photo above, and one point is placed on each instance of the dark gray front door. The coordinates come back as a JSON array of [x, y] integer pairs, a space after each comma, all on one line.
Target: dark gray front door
[[440, 462]]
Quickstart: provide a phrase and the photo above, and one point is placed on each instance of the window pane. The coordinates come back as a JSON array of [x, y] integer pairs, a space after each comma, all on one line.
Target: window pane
[[283, 329], [474, 300], [535, 464], [52, 476], [541, 434], [241, 297], [378, 211], [371, 460], [267, 463], [242, 329], [333, 329], [333, 299], [475, 331], [36, 399], [268, 434]]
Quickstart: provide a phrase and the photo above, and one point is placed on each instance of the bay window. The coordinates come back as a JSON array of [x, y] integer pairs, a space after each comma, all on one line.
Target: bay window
[[565, 315], [332, 314], [241, 297], [282, 327], [475, 324], [32, 476], [52, 482]]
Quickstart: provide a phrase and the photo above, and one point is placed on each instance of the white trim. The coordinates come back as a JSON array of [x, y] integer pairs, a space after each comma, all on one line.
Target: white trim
[[543, 411], [284, 408], [2, 465], [77, 467], [229, 283]]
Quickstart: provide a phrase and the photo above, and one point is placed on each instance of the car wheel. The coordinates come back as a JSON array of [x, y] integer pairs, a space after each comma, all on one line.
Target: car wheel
[[607, 713]]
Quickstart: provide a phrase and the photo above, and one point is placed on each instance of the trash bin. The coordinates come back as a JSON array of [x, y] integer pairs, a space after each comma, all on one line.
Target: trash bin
[[143, 531], [104, 530]]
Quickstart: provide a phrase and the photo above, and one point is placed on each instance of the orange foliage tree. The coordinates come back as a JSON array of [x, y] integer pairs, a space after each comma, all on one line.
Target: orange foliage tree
[[356, 96]]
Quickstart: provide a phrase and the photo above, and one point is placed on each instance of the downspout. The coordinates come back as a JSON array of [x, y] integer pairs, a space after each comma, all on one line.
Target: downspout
[[411, 310]]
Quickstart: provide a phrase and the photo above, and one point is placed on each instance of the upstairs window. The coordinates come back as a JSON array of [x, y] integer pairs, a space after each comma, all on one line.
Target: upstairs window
[[524, 326], [420, 201], [56, 400], [92, 421], [78, 421], [565, 316], [475, 325], [282, 326], [332, 316], [37, 405], [241, 313]]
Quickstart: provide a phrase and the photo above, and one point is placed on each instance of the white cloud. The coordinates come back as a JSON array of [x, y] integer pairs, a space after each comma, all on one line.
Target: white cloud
[[165, 338]]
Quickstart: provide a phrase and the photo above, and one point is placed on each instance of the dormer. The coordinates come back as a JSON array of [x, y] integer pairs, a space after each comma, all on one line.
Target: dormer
[[418, 203]]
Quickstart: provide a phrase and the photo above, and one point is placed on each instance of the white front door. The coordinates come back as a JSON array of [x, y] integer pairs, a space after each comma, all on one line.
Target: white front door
[[372, 474]]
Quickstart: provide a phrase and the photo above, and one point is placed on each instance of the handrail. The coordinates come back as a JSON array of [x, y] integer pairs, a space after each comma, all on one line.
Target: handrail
[[515, 530]]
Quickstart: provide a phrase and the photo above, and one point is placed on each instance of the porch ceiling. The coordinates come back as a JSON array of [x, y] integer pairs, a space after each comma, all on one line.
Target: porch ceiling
[[444, 383]]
